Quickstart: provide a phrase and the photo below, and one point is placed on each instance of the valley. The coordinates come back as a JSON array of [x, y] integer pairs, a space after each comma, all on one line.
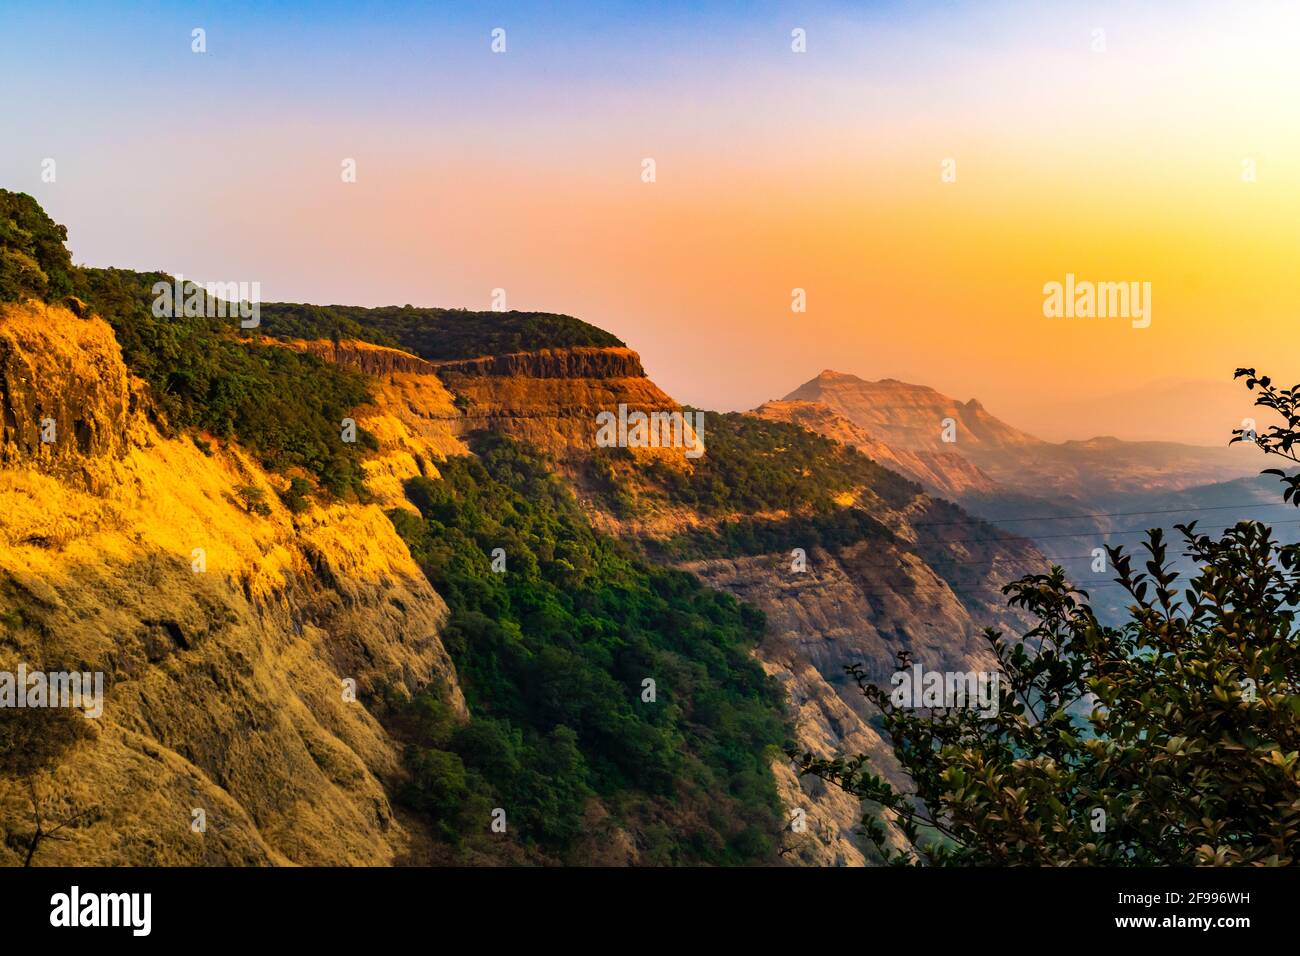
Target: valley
[[368, 651]]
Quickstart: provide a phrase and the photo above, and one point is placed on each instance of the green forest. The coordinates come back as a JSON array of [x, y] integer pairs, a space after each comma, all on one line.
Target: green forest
[[433, 334], [553, 653], [210, 374], [752, 465], [598, 684], [204, 373]]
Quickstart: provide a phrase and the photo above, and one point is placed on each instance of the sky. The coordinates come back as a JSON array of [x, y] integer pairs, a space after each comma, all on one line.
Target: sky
[[1126, 142]]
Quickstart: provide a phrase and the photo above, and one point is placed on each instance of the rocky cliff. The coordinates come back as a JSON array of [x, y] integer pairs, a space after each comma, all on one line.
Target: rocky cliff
[[64, 396], [910, 417], [365, 356], [578, 362], [551, 398], [226, 685], [229, 630], [930, 593]]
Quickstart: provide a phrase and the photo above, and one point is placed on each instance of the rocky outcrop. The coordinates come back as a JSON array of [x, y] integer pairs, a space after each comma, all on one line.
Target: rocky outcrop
[[64, 398], [549, 398], [363, 356], [285, 768], [552, 398], [910, 417], [577, 362], [411, 414], [230, 640], [863, 604], [416, 422], [860, 604]]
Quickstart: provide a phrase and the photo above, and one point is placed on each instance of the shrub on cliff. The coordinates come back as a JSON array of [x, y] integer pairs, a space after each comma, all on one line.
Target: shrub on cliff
[[204, 373], [34, 261], [1172, 740], [552, 655], [434, 333]]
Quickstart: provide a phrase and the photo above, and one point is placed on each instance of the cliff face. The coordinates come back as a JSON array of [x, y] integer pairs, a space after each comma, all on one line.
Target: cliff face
[[73, 430], [225, 636], [931, 594], [225, 686], [412, 415], [578, 362], [368, 358], [551, 398], [908, 416]]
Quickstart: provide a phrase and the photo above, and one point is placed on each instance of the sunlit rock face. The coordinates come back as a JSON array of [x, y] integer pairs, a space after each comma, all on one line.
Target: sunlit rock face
[[230, 640]]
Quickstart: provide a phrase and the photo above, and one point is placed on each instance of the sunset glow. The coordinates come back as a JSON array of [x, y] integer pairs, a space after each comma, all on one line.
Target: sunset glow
[[775, 171]]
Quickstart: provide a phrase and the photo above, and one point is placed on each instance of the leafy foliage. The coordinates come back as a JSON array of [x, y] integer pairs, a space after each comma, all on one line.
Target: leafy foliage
[[752, 464], [208, 373], [1188, 747], [754, 536], [203, 372], [434, 333], [1280, 440], [552, 655], [34, 262]]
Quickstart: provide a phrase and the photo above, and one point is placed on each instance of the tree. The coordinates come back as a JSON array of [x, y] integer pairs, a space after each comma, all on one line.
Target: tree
[[1172, 740], [33, 742], [41, 833], [34, 263]]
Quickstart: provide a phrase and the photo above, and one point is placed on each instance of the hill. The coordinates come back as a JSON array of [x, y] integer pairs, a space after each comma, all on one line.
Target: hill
[[455, 613]]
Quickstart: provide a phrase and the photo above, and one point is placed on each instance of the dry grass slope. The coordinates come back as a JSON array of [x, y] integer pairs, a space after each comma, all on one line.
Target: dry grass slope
[[224, 688]]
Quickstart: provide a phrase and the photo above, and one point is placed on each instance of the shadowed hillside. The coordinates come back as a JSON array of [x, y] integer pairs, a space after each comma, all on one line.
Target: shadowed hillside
[[499, 588]]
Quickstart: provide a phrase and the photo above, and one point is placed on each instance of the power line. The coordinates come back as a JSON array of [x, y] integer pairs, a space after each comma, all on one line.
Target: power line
[[1066, 534]]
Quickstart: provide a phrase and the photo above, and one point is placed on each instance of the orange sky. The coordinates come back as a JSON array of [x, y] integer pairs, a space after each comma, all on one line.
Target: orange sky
[[774, 171]]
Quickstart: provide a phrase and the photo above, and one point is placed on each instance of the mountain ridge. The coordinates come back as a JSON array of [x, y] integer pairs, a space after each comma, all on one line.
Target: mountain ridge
[[237, 439], [915, 418]]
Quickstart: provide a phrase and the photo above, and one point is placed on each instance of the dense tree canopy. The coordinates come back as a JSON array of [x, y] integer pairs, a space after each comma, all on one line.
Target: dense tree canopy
[[434, 333], [751, 465], [553, 649], [34, 260]]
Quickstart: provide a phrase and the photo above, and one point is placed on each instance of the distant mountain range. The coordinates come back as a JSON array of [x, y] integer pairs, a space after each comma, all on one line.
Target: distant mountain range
[[311, 638], [1154, 412], [494, 583], [920, 420], [1068, 498]]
